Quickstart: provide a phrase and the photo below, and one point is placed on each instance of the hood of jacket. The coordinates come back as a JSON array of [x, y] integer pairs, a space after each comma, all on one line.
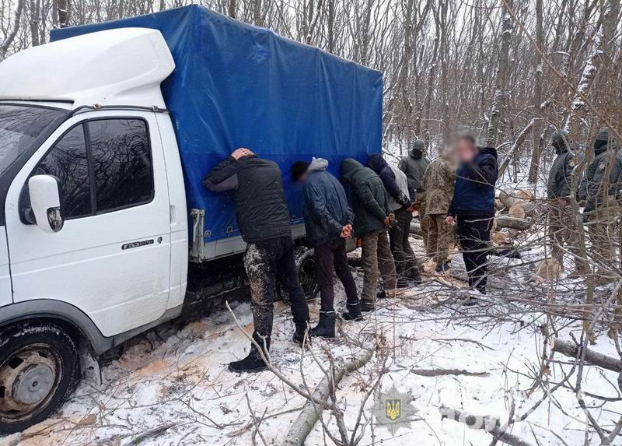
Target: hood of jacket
[[489, 151], [349, 168], [317, 164], [376, 163]]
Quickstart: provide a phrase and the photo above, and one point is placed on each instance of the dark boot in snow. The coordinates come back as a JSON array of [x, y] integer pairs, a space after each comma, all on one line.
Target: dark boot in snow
[[253, 362], [415, 275], [403, 282], [367, 308], [299, 334], [353, 313], [326, 326]]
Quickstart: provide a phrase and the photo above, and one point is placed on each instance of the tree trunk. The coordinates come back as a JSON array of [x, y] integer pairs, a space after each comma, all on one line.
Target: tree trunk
[[503, 70], [4, 46], [537, 96]]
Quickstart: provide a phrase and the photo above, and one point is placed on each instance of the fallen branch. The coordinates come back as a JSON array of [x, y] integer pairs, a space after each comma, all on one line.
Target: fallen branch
[[303, 425], [489, 424], [573, 350], [444, 372]]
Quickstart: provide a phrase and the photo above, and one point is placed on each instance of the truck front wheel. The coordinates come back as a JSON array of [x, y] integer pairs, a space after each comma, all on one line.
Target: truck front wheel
[[38, 369]]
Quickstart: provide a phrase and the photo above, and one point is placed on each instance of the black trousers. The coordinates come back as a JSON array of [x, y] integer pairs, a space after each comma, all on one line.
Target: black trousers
[[474, 234], [331, 257], [266, 262], [403, 254]]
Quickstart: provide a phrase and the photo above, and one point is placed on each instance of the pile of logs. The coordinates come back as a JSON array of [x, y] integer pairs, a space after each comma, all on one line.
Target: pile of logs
[[515, 208]]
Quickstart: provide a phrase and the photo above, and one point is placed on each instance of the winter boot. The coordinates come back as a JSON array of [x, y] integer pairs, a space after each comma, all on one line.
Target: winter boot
[[367, 307], [415, 275], [353, 313], [253, 362], [299, 334], [403, 282], [326, 326]]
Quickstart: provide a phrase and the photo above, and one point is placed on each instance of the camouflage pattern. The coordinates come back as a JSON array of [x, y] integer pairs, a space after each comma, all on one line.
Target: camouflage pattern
[[440, 238], [438, 182]]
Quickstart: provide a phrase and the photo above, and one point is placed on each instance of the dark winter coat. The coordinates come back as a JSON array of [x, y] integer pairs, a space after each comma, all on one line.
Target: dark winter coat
[[414, 166], [326, 205], [560, 174], [400, 193], [259, 197], [474, 192], [370, 202], [596, 186]]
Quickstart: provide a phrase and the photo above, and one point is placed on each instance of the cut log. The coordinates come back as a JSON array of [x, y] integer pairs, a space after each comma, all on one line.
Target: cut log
[[525, 195], [549, 269], [509, 197], [499, 238], [573, 350], [520, 224], [309, 415], [522, 209]]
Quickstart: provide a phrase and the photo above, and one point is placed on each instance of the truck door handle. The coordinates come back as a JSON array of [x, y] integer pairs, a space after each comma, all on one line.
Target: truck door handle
[[173, 212]]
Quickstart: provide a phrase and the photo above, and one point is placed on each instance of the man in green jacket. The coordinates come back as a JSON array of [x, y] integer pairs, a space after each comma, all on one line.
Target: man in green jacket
[[562, 222], [600, 189], [370, 205], [414, 166]]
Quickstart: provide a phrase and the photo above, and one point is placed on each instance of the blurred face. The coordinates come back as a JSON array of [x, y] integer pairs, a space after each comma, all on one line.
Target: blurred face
[[465, 150], [303, 177]]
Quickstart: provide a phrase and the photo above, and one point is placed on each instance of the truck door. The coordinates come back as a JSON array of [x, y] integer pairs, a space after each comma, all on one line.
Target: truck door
[[111, 259]]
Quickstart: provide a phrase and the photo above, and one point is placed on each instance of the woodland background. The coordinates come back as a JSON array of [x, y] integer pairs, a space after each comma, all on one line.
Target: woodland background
[[510, 71]]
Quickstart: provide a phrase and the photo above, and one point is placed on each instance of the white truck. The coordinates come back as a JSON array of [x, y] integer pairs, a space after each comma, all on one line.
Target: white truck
[[100, 177]]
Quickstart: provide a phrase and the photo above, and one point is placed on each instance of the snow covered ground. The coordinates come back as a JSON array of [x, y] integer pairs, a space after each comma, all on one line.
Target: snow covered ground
[[172, 386]]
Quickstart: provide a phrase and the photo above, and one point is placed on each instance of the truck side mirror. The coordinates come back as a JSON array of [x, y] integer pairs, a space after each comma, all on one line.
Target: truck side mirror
[[45, 202]]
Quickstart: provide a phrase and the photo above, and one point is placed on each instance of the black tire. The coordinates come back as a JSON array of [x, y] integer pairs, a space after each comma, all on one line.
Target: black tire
[[305, 264], [39, 367]]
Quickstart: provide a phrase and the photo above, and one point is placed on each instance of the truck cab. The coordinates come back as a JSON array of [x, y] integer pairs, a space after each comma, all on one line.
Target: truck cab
[[94, 232]]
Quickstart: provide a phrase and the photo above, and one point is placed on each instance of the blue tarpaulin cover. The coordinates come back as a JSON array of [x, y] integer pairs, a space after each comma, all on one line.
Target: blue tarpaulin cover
[[237, 85]]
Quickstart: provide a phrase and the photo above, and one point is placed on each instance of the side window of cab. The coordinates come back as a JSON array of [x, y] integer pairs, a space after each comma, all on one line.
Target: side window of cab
[[102, 166]]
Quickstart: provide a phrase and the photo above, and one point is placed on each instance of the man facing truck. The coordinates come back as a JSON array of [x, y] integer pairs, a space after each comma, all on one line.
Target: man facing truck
[[328, 222], [371, 221], [264, 223]]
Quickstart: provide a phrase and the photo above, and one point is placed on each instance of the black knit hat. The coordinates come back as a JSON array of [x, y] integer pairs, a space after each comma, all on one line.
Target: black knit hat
[[299, 168]]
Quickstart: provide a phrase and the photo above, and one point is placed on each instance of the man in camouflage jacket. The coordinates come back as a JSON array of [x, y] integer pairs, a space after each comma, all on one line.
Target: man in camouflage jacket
[[439, 181]]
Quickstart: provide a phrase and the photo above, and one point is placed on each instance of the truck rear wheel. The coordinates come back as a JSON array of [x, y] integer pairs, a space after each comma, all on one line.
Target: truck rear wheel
[[305, 265], [38, 369]]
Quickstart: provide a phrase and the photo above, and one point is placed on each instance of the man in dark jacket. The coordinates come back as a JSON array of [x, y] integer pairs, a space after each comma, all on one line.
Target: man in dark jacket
[[328, 223], [371, 220], [264, 223], [473, 205], [401, 198], [414, 166], [600, 189], [562, 222]]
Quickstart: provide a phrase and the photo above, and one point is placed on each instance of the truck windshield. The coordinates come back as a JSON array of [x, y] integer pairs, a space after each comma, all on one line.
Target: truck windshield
[[21, 126]]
